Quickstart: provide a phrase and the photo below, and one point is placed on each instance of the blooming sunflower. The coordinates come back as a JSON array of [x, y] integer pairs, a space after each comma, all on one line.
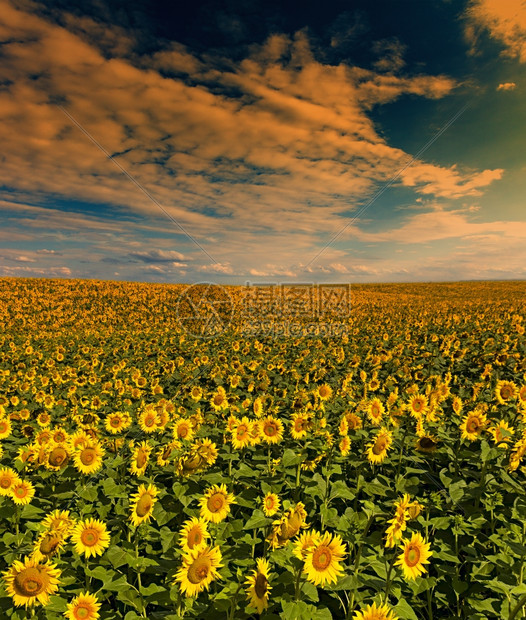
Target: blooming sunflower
[[47, 545], [502, 433], [88, 458], [258, 586], [372, 612], [5, 427], [377, 450], [375, 411], [83, 607], [194, 534], [22, 492], [323, 559], [140, 458], [59, 520], [90, 537], [324, 392], [418, 405], [8, 478], [271, 503], [345, 446], [304, 542], [415, 554], [300, 424], [142, 504], [117, 422], [271, 429], [199, 570], [183, 430], [240, 433], [215, 504], [505, 391], [472, 425], [219, 399], [148, 420], [30, 583]]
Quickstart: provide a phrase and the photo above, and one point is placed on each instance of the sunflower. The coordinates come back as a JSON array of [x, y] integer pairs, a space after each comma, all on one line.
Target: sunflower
[[183, 429], [258, 586], [143, 503], [148, 420], [418, 405], [473, 424], [199, 570], [47, 545], [345, 446], [304, 542], [323, 559], [240, 434], [377, 450], [288, 526], [8, 478], [83, 607], [140, 458], [426, 443], [57, 456], [60, 521], [196, 393], [505, 391], [90, 537], [375, 411], [30, 583], [395, 531], [219, 399], [354, 422], [22, 492], [193, 535], [215, 504], [372, 612], [324, 392], [271, 503], [5, 427], [88, 458], [300, 424], [271, 429], [415, 554], [117, 422], [502, 433], [257, 407]]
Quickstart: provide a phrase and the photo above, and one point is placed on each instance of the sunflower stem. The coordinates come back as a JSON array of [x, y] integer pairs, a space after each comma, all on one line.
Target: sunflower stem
[[389, 578], [297, 586]]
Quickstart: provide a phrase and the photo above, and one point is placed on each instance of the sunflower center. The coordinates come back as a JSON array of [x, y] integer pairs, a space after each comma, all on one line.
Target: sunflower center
[[417, 405], [20, 491], [242, 431], [144, 505], [506, 392], [5, 483], [427, 443], [473, 425], [29, 582], [216, 502], [260, 585], [89, 538], [194, 538], [270, 430], [81, 612], [321, 558], [87, 456], [115, 422], [182, 431], [199, 570], [412, 556], [3, 427], [218, 400], [150, 421]]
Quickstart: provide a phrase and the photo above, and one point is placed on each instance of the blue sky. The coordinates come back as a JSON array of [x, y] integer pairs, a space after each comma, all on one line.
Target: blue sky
[[333, 142]]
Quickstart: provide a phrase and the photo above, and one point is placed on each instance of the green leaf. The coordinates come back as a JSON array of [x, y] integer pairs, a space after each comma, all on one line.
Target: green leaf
[[405, 611], [257, 519]]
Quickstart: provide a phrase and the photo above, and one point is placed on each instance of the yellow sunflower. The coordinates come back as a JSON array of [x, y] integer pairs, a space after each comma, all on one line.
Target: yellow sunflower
[[59, 520], [22, 492], [240, 433], [304, 542], [323, 559], [426, 443], [219, 399], [372, 612], [473, 424], [117, 422], [88, 458], [194, 534], [271, 503], [90, 537], [377, 450], [258, 586], [142, 504], [415, 554], [199, 570], [47, 545], [31, 583], [324, 392], [148, 420], [502, 433], [395, 531], [345, 446], [271, 429], [300, 424], [8, 478], [5, 428], [375, 411], [505, 391], [215, 504], [57, 456], [140, 458], [183, 429], [288, 526], [83, 607]]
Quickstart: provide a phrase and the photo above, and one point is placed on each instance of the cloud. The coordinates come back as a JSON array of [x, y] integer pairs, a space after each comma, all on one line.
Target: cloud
[[157, 256], [505, 21], [507, 86]]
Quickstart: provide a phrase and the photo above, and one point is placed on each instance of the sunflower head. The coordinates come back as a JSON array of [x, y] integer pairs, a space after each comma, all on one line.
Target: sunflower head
[[31, 583]]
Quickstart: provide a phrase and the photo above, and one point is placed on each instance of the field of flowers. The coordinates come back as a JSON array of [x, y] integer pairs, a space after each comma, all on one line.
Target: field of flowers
[[371, 475]]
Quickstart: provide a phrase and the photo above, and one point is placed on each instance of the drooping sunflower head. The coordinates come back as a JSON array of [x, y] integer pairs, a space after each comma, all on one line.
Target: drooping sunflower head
[[142, 504], [59, 520], [57, 456], [258, 589], [31, 583], [48, 544], [426, 443]]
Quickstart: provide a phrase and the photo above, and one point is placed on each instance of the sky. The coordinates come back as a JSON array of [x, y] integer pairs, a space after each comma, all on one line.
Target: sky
[[241, 141]]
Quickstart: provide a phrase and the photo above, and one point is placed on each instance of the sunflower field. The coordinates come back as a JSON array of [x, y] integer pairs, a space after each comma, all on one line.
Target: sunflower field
[[371, 474]]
